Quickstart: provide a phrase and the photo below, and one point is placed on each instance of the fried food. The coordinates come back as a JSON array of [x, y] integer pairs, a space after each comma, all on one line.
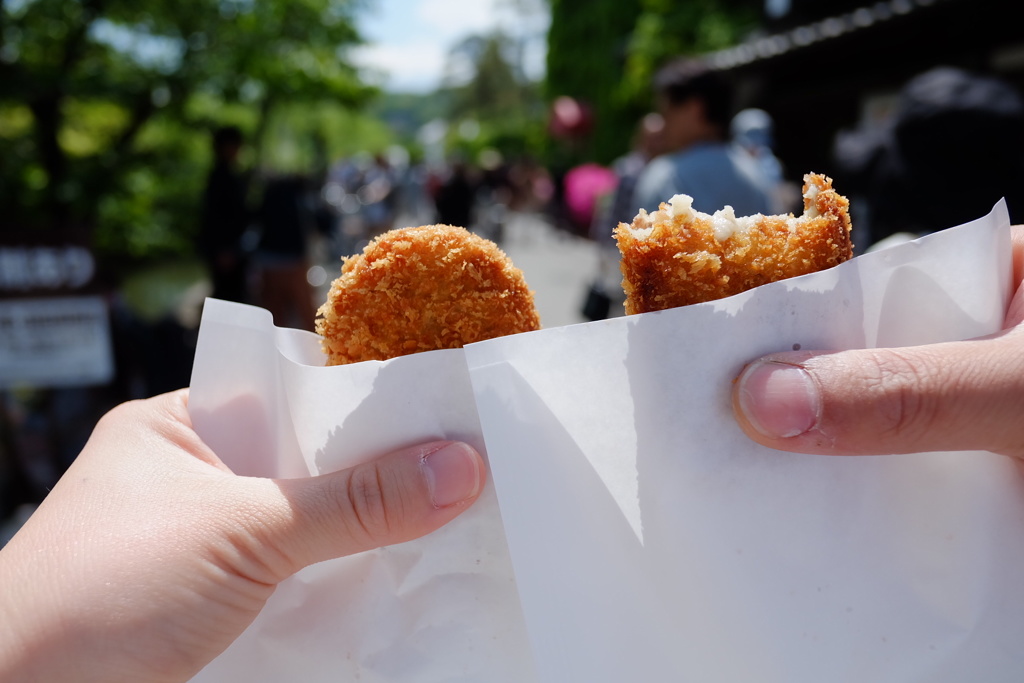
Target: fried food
[[422, 289], [678, 256]]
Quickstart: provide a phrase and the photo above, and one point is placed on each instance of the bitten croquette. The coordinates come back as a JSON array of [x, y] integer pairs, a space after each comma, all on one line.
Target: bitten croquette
[[677, 256]]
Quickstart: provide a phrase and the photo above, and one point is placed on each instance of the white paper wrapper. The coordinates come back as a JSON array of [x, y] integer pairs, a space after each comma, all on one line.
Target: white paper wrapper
[[651, 540], [442, 608]]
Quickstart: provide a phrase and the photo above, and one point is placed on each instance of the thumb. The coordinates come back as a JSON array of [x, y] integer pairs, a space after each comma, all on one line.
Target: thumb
[[395, 498], [953, 396]]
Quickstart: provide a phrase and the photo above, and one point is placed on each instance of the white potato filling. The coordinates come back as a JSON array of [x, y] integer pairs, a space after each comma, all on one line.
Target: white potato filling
[[646, 219], [682, 205], [811, 194], [724, 222]]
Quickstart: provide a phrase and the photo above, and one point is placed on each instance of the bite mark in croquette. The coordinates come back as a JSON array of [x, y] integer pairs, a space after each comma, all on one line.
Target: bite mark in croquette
[[422, 289], [678, 256]]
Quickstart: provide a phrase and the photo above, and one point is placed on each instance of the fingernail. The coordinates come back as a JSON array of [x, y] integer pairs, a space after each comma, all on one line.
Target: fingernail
[[778, 399], [452, 473]]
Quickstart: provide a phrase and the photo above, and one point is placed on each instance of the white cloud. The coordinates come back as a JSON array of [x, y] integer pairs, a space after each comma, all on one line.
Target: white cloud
[[408, 67]]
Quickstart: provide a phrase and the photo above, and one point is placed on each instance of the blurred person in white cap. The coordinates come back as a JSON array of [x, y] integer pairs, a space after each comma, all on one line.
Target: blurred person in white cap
[[754, 130]]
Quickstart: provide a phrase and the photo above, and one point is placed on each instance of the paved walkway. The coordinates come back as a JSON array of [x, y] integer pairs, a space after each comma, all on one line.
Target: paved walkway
[[559, 267]]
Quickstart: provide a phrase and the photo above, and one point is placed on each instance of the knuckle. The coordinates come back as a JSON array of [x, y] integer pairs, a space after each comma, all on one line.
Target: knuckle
[[903, 408], [367, 504], [252, 550]]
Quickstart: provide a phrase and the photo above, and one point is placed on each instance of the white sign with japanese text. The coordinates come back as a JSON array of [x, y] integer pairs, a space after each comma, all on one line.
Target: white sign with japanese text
[[55, 342]]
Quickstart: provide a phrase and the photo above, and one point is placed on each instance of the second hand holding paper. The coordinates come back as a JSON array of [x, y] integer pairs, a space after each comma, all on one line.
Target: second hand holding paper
[[653, 541]]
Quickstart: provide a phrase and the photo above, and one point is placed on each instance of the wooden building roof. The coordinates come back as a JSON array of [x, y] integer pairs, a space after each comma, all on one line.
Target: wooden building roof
[[818, 74]]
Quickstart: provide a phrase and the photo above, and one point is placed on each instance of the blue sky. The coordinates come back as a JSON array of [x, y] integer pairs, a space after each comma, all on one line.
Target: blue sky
[[409, 39]]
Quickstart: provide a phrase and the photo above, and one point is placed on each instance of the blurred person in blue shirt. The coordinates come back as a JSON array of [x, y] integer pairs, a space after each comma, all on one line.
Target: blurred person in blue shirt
[[695, 104]]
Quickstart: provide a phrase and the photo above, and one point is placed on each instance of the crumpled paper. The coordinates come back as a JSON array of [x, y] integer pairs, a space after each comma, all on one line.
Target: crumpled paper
[[650, 539]]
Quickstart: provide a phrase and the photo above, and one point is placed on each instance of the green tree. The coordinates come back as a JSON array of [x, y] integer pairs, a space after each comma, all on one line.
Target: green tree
[[488, 90], [665, 29], [104, 103], [494, 90]]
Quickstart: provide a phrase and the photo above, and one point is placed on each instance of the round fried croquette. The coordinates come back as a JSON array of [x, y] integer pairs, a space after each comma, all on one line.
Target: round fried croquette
[[678, 256], [423, 289]]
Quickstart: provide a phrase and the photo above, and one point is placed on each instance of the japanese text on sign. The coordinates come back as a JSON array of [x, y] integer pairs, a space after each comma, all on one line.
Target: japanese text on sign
[[24, 268]]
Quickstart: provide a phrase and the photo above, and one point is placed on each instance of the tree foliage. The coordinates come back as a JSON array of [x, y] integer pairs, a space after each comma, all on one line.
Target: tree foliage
[[488, 93], [494, 88], [587, 52], [104, 104], [665, 29]]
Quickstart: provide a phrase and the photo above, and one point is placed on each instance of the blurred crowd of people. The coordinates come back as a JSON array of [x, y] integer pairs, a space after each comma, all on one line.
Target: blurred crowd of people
[[948, 123], [265, 238], [261, 249]]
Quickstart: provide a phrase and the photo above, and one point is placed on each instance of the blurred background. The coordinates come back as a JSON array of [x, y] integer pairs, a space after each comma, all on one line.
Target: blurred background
[[154, 153]]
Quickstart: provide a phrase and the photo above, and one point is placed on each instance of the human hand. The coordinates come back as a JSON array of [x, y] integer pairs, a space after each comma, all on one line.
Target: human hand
[[150, 557], [965, 395]]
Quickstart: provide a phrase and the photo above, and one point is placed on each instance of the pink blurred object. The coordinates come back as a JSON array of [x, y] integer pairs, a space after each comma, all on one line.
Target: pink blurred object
[[570, 118], [583, 185]]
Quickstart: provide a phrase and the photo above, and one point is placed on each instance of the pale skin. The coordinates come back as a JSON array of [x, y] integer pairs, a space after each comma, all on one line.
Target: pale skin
[[150, 557], [966, 395]]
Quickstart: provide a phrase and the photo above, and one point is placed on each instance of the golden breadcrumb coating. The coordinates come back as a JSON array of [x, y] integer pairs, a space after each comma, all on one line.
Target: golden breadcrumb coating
[[421, 289], [678, 256]]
